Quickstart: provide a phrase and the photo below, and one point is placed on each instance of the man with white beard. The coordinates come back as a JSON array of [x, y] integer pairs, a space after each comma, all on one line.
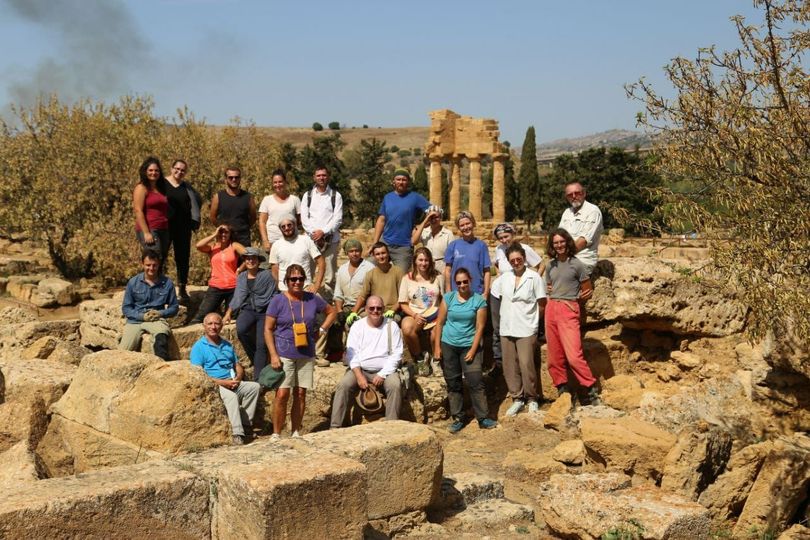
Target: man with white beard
[[583, 221]]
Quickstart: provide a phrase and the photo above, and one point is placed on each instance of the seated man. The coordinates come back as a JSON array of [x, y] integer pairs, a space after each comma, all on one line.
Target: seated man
[[383, 281], [373, 350], [349, 283], [148, 301], [217, 357]]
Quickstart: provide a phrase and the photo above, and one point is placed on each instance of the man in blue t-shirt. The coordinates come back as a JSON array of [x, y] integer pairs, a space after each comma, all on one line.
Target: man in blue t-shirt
[[218, 359], [399, 212]]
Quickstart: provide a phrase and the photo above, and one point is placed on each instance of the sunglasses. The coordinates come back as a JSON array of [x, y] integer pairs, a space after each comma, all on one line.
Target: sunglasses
[[516, 260], [462, 282], [287, 226], [234, 177], [374, 308], [296, 279]]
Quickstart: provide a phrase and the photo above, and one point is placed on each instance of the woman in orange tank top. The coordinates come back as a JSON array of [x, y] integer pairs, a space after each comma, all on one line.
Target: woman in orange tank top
[[224, 255]]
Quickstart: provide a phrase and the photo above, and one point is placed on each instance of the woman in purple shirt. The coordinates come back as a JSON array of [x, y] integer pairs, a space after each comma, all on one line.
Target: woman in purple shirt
[[290, 331]]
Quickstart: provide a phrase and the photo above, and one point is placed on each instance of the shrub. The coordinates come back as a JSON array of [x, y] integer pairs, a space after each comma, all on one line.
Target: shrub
[[316, 126], [334, 125]]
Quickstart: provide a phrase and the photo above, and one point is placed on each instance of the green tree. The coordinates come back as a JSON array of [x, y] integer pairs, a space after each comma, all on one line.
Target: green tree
[[420, 180], [334, 125], [317, 126], [372, 182], [531, 199], [738, 129], [325, 151]]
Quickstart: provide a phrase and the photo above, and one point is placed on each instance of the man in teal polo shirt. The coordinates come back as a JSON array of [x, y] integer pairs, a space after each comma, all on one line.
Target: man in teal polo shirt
[[399, 212], [218, 359]]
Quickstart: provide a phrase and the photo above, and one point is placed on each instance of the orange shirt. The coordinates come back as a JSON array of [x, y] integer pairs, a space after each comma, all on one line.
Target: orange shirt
[[224, 263]]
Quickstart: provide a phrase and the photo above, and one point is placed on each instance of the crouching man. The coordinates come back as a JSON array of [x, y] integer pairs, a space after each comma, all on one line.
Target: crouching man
[[218, 359], [374, 351], [148, 301]]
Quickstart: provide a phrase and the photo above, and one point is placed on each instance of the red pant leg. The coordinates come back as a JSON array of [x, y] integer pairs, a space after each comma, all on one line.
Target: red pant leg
[[556, 352], [569, 336]]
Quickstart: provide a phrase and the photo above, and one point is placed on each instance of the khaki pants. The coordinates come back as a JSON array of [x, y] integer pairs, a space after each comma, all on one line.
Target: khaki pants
[[518, 367], [131, 340]]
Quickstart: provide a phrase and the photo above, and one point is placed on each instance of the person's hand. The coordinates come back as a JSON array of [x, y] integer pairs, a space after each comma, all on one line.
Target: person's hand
[[389, 314], [312, 288], [549, 288], [419, 320], [377, 381], [148, 238], [317, 235], [437, 353], [227, 318], [469, 356], [233, 385], [362, 382], [275, 361], [351, 318], [585, 295], [266, 246], [151, 315]]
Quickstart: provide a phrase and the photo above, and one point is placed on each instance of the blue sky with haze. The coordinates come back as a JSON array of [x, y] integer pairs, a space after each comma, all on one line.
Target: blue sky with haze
[[559, 66]]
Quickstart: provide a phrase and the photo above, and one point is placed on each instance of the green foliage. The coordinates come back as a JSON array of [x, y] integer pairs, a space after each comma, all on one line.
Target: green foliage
[[629, 530], [371, 179], [404, 153], [394, 149], [620, 183], [334, 125], [317, 126], [324, 151], [531, 194], [420, 180]]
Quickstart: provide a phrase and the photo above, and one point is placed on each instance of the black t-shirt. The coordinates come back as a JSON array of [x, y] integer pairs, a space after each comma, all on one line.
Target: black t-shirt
[[179, 204]]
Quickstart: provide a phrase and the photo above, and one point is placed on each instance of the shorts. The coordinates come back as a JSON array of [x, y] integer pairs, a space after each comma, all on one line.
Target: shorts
[[298, 373]]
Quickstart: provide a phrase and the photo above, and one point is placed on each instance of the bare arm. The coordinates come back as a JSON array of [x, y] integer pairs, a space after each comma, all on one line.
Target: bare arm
[[204, 245], [238, 248], [263, 231], [274, 271], [138, 203], [252, 210], [437, 331], [416, 235], [585, 290], [580, 243], [214, 209], [379, 225], [320, 270], [480, 323], [269, 328], [487, 280]]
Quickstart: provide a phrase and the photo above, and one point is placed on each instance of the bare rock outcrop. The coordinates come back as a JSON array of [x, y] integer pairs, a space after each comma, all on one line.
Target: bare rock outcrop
[[591, 506], [646, 293], [18, 465], [696, 460]]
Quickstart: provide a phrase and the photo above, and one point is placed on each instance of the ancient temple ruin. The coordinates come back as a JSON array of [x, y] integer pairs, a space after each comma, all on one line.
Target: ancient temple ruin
[[453, 138]]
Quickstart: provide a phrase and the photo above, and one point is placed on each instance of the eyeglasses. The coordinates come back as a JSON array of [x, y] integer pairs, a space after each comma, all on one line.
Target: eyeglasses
[[234, 177], [574, 193], [296, 279], [560, 243], [462, 282], [287, 226], [374, 308], [178, 169], [516, 260]]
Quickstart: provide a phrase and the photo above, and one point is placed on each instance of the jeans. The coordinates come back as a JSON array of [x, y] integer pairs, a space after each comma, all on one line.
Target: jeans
[[161, 244], [454, 365], [495, 319], [212, 300], [250, 330], [180, 238]]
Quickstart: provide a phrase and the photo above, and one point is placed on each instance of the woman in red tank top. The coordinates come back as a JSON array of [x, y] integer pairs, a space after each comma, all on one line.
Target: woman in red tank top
[[151, 208], [224, 255]]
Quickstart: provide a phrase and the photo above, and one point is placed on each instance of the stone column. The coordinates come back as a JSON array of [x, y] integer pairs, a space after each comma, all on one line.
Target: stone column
[[475, 187], [435, 180], [498, 201], [455, 186]]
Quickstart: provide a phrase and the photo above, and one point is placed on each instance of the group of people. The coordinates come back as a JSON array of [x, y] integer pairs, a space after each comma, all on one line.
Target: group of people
[[417, 288]]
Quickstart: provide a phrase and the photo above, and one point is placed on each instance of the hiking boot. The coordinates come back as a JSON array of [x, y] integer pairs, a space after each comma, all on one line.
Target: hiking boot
[[322, 362], [487, 423], [593, 396], [456, 426], [534, 406], [563, 389], [515, 408], [238, 440], [183, 294]]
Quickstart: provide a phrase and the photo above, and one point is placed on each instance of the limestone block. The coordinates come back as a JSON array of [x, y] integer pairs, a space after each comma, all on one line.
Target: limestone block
[[643, 511], [171, 407], [41, 348], [780, 488], [22, 287], [69, 352], [461, 489], [292, 495], [102, 322], [558, 416], [622, 392], [62, 292], [152, 500], [32, 380], [648, 294], [101, 377], [22, 422], [407, 456], [71, 448], [569, 452], [492, 514], [796, 532], [396, 526], [17, 466], [16, 337], [528, 465], [16, 315], [627, 444], [727, 495], [695, 461]]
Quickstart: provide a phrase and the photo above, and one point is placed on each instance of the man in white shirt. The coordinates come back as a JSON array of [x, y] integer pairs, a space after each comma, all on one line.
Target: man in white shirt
[[583, 221], [321, 215], [350, 275], [294, 248], [374, 351]]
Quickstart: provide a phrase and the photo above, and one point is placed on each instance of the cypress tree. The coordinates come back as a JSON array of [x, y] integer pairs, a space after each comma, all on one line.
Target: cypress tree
[[531, 202]]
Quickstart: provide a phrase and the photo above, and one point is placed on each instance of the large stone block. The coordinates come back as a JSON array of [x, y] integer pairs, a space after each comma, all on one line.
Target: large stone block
[[153, 500], [528, 465], [171, 407], [591, 506], [695, 461], [16, 337], [18, 465], [627, 444], [102, 322], [22, 422], [33, 380], [403, 459]]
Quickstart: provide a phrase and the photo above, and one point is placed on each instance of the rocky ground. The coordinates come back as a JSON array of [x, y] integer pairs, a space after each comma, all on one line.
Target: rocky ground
[[701, 434]]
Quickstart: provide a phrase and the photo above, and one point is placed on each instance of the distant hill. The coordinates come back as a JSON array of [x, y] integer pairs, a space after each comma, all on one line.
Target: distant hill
[[404, 137], [622, 138]]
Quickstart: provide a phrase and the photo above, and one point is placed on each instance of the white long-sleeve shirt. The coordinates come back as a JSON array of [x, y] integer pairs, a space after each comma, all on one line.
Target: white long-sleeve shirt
[[318, 214], [585, 223], [367, 347]]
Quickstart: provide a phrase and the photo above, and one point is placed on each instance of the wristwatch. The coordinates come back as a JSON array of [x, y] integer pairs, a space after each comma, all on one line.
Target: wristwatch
[[322, 330]]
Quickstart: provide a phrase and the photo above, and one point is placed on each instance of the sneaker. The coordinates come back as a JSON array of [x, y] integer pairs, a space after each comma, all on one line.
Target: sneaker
[[534, 407], [593, 396], [456, 426], [322, 362], [296, 435], [515, 408], [487, 423], [238, 440], [275, 437]]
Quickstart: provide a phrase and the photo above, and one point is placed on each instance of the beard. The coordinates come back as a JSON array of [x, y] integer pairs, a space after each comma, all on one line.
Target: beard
[[576, 205]]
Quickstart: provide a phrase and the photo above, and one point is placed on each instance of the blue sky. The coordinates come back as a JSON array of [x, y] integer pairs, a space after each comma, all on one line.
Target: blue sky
[[559, 66]]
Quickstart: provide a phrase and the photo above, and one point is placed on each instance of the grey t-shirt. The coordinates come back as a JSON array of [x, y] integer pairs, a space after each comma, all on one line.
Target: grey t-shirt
[[565, 277]]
